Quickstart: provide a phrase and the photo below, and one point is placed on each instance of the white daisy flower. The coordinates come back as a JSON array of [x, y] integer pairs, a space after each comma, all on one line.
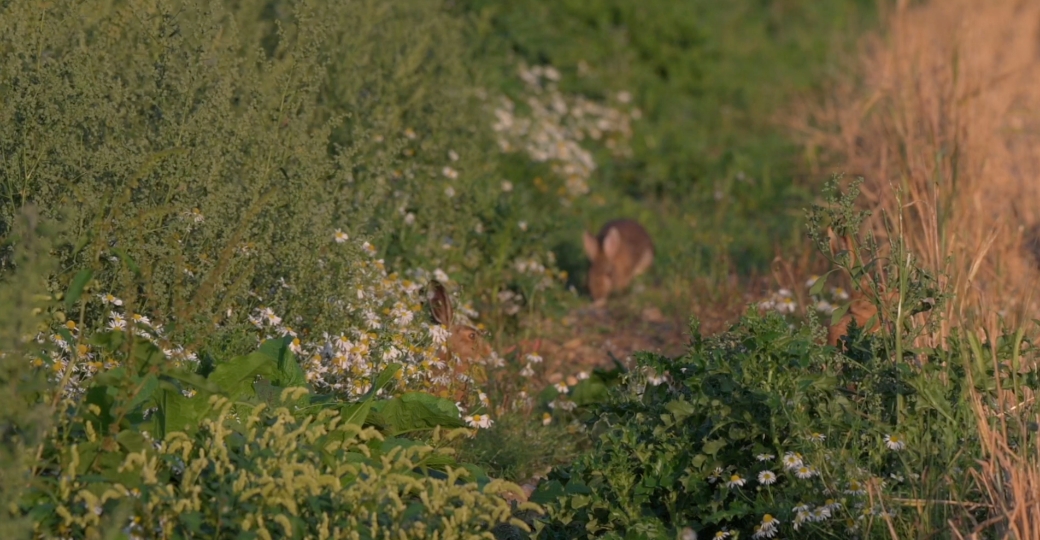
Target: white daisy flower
[[481, 421], [768, 527], [855, 488], [439, 334], [894, 442], [766, 478], [820, 513], [792, 460], [804, 472], [108, 298], [735, 481], [117, 322]]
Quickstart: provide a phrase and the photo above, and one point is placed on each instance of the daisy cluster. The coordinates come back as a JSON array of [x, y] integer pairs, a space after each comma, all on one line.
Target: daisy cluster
[[842, 504], [552, 126], [783, 301], [390, 326], [387, 324], [73, 361]]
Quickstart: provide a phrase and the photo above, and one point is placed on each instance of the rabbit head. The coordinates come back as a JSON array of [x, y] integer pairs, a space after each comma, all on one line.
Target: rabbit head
[[621, 251], [465, 342]]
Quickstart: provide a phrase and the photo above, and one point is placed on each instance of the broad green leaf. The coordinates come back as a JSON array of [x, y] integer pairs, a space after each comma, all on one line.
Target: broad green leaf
[[289, 372], [712, 447], [356, 413], [180, 413], [75, 291], [193, 379], [235, 377], [680, 409], [145, 391], [839, 312], [820, 283], [147, 353], [131, 440], [415, 411], [267, 392]]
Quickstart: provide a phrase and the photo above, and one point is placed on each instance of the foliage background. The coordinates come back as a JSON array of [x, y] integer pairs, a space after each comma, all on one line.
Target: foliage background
[[240, 170]]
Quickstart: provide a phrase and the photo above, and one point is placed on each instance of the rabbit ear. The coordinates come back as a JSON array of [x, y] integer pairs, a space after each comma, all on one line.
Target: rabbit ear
[[440, 304], [841, 243], [612, 243], [591, 246]]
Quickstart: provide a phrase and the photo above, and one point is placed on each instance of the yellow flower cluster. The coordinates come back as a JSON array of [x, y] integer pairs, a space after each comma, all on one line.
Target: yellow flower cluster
[[316, 475]]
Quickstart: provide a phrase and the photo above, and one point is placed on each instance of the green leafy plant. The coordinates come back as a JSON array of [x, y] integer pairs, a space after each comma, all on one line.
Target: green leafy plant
[[163, 450], [25, 418], [762, 430]]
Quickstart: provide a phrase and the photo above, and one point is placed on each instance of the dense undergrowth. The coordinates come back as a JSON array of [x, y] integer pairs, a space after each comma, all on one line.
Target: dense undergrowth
[[218, 221], [763, 432]]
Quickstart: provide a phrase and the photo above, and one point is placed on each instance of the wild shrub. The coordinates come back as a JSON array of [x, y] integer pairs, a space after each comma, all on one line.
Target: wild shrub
[[244, 447], [24, 417], [764, 431], [209, 160]]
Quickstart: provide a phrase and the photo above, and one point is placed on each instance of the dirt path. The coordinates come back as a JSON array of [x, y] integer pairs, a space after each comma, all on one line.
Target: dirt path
[[654, 319]]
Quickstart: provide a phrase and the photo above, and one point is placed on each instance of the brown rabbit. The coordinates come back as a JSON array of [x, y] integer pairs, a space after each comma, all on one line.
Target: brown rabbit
[[861, 308], [465, 344], [621, 251]]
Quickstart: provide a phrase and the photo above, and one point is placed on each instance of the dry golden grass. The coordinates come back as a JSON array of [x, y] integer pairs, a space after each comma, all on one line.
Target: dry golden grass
[[1010, 478], [1009, 471], [944, 125]]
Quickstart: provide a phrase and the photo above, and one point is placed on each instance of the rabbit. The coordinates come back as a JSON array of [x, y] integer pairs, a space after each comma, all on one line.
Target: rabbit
[[621, 251], [862, 309], [465, 344]]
